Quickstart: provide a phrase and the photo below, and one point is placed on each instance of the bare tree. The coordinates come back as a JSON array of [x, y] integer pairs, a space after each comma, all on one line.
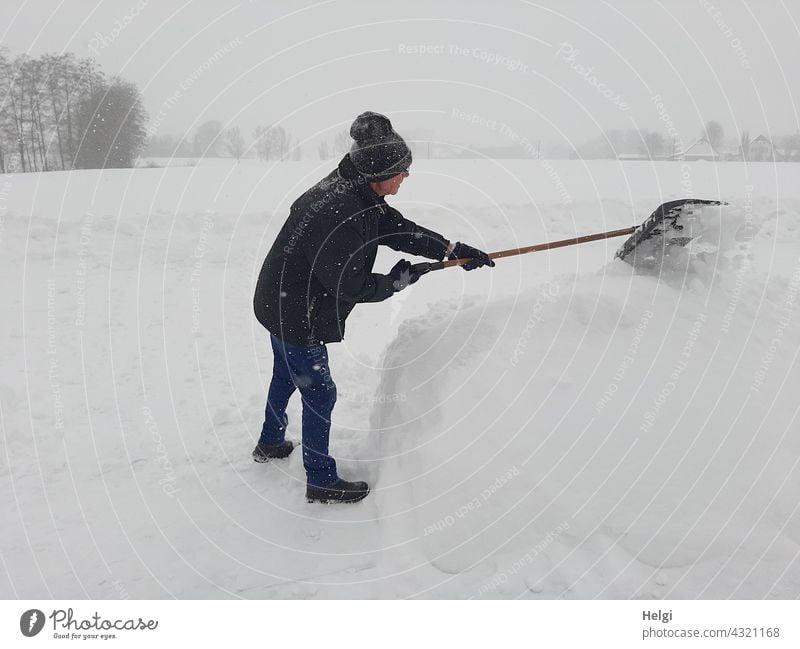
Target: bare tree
[[791, 147], [235, 142], [296, 150], [5, 66], [80, 78], [651, 143], [57, 104], [281, 139], [111, 120], [207, 139], [38, 101], [714, 133], [262, 142], [744, 145], [271, 142], [12, 92], [33, 72]]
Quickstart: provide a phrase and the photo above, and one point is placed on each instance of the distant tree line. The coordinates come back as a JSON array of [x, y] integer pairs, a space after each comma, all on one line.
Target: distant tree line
[[274, 143], [709, 144], [61, 112], [212, 140], [616, 142]]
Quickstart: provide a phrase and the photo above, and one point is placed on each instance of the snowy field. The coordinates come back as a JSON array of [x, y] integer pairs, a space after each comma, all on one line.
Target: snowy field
[[558, 427]]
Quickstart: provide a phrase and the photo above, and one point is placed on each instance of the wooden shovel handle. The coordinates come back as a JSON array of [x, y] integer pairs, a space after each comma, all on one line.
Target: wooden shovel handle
[[511, 252]]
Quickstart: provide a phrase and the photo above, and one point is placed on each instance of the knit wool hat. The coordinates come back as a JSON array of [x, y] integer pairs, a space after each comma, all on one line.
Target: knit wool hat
[[378, 152]]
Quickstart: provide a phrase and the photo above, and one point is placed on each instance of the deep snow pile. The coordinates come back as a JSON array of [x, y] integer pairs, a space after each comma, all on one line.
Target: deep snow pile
[[558, 426], [625, 433]]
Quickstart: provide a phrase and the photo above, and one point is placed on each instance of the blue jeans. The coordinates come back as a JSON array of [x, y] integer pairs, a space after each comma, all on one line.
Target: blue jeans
[[304, 368]]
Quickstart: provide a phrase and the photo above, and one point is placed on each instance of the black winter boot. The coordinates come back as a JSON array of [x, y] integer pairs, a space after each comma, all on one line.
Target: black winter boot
[[278, 452], [340, 491], [267, 453]]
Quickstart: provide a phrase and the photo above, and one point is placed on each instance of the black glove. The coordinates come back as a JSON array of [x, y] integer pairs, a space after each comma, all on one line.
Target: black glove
[[403, 274], [477, 257]]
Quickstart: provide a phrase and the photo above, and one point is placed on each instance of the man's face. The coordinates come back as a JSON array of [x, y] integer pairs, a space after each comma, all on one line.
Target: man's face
[[390, 185]]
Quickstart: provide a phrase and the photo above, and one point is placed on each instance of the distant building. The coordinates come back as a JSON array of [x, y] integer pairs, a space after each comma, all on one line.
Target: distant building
[[761, 148], [700, 150]]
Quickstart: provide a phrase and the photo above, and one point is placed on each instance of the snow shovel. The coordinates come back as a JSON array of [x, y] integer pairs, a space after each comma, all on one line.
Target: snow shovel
[[663, 225]]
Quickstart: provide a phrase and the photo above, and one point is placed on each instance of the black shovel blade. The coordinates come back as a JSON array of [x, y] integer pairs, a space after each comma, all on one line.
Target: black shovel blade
[[664, 224]]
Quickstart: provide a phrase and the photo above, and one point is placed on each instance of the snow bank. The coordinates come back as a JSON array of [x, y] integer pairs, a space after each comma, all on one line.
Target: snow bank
[[523, 430], [614, 434]]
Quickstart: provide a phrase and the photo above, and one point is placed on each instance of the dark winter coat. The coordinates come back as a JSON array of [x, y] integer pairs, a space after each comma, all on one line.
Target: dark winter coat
[[320, 265]]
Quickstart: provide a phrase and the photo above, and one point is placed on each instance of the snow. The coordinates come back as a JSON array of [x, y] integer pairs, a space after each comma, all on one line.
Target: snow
[[563, 425]]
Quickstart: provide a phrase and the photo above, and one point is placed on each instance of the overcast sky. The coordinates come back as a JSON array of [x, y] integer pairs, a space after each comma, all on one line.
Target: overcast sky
[[453, 71]]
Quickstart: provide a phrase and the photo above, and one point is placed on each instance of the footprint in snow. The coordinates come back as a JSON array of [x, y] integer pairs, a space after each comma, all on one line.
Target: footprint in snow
[[312, 531]]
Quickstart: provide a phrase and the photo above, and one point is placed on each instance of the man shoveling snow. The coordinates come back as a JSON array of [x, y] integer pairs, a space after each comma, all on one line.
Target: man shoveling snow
[[318, 269]]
